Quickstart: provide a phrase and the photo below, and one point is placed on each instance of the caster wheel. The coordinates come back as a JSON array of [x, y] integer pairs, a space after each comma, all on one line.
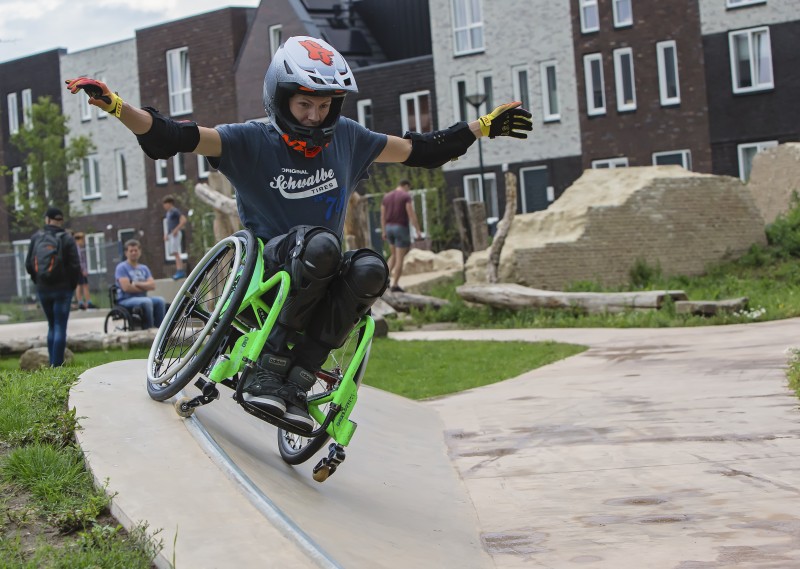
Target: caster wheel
[[182, 408], [322, 474]]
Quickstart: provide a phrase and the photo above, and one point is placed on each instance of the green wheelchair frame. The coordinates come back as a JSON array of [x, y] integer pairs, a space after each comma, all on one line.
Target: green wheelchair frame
[[215, 330]]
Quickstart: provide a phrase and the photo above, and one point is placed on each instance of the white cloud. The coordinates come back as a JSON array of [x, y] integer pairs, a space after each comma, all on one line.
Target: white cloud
[[29, 27]]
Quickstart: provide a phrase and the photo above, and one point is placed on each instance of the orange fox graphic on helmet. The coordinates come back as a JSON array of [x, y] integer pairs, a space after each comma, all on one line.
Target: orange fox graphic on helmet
[[318, 53]]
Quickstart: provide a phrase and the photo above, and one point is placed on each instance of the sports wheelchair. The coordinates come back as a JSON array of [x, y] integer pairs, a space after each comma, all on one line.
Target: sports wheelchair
[[120, 318], [214, 332]]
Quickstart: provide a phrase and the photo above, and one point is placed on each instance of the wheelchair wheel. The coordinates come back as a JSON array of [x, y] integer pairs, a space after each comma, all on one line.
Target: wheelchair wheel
[[196, 325], [117, 320], [296, 449]]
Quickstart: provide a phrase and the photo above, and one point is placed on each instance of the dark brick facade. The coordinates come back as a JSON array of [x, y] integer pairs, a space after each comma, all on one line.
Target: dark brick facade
[[40, 74], [650, 128], [384, 83], [752, 117], [213, 40]]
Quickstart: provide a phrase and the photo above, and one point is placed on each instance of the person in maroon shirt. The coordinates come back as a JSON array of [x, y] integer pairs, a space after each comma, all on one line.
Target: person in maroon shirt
[[397, 209]]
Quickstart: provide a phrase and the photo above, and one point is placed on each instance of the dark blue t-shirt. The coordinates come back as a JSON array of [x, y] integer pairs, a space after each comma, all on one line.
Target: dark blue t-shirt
[[278, 188]]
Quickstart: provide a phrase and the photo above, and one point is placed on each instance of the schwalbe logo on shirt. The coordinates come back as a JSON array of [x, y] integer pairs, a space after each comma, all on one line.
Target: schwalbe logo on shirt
[[299, 184]]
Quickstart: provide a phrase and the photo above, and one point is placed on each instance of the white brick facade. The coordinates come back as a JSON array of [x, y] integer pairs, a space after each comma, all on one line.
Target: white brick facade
[[116, 65], [716, 17]]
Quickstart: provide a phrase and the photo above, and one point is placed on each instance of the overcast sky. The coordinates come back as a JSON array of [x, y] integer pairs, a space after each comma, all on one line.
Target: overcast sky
[[33, 26]]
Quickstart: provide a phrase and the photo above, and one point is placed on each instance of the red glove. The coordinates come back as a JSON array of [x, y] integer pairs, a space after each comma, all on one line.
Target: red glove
[[99, 94]]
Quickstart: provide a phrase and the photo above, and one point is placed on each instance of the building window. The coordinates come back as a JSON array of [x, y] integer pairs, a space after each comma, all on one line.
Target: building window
[[746, 154], [162, 176], [623, 15], [203, 167], [364, 110], [551, 110], [90, 173], [487, 194], [85, 107], [677, 157], [626, 84], [179, 167], [751, 60], [415, 112], [535, 192], [95, 253], [16, 182], [621, 162], [460, 112], [467, 26], [590, 18], [27, 108], [595, 85], [13, 114], [31, 185], [25, 286], [519, 76], [275, 37], [122, 173], [485, 86], [668, 83], [738, 3], [179, 79]]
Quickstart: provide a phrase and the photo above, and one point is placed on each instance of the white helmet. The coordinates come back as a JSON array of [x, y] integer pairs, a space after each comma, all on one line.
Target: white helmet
[[306, 65]]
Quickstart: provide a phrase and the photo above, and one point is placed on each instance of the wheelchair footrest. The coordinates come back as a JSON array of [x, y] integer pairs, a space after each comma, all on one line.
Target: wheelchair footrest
[[280, 423]]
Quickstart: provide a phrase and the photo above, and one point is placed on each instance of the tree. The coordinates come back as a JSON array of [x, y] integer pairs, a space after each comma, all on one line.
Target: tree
[[384, 178], [48, 164]]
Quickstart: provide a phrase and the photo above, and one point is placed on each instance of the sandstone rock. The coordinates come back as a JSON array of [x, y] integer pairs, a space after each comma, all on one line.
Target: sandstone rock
[[774, 178], [36, 358], [609, 218], [419, 261]]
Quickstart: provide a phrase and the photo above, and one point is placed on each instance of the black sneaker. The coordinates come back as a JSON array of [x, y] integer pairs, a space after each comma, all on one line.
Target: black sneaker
[[266, 392], [294, 393]]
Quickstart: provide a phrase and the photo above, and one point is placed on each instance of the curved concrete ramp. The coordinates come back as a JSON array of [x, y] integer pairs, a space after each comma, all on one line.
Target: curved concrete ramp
[[395, 502]]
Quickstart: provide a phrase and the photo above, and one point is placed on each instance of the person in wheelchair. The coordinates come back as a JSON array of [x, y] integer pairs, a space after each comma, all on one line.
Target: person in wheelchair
[[293, 176], [134, 280]]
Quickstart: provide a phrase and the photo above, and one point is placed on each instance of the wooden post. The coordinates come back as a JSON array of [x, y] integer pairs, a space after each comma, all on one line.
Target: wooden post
[[502, 228], [462, 223], [477, 225], [356, 230]]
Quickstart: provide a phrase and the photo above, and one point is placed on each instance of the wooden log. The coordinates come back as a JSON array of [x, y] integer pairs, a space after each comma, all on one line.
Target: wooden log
[[356, 228], [405, 301], [502, 228], [711, 307], [462, 223], [513, 296], [478, 230]]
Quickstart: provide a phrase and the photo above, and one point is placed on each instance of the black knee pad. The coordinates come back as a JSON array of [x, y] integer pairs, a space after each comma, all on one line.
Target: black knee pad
[[364, 279], [366, 273]]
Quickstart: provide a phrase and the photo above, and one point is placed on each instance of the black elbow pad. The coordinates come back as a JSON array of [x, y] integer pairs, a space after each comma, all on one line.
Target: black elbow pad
[[167, 137], [432, 149]]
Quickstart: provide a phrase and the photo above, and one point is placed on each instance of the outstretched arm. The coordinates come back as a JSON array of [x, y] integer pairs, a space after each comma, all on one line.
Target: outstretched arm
[[431, 150], [140, 122]]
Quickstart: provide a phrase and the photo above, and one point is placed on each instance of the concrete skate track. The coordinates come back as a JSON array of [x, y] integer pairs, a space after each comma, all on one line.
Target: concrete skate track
[[656, 448]]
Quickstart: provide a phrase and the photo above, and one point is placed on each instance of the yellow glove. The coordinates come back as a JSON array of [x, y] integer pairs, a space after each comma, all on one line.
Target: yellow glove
[[99, 94], [506, 120]]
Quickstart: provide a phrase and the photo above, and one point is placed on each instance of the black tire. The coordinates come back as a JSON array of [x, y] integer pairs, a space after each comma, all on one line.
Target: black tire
[[195, 326], [117, 320], [296, 449]]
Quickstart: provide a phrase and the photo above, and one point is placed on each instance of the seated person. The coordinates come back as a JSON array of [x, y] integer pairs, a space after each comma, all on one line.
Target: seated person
[[134, 279]]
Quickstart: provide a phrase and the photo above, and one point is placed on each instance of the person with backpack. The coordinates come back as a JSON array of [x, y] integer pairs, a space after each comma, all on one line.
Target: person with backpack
[[54, 266]]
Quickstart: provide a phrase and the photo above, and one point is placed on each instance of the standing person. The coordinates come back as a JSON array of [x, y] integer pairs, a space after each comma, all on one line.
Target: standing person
[[134, 280], [293, 176], [54, 266], [82, 292], [397, 209], [172, 236]]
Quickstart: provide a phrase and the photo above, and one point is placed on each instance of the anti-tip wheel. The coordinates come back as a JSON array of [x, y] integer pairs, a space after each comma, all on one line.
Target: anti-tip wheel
[[322, 474], [182, 407]]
